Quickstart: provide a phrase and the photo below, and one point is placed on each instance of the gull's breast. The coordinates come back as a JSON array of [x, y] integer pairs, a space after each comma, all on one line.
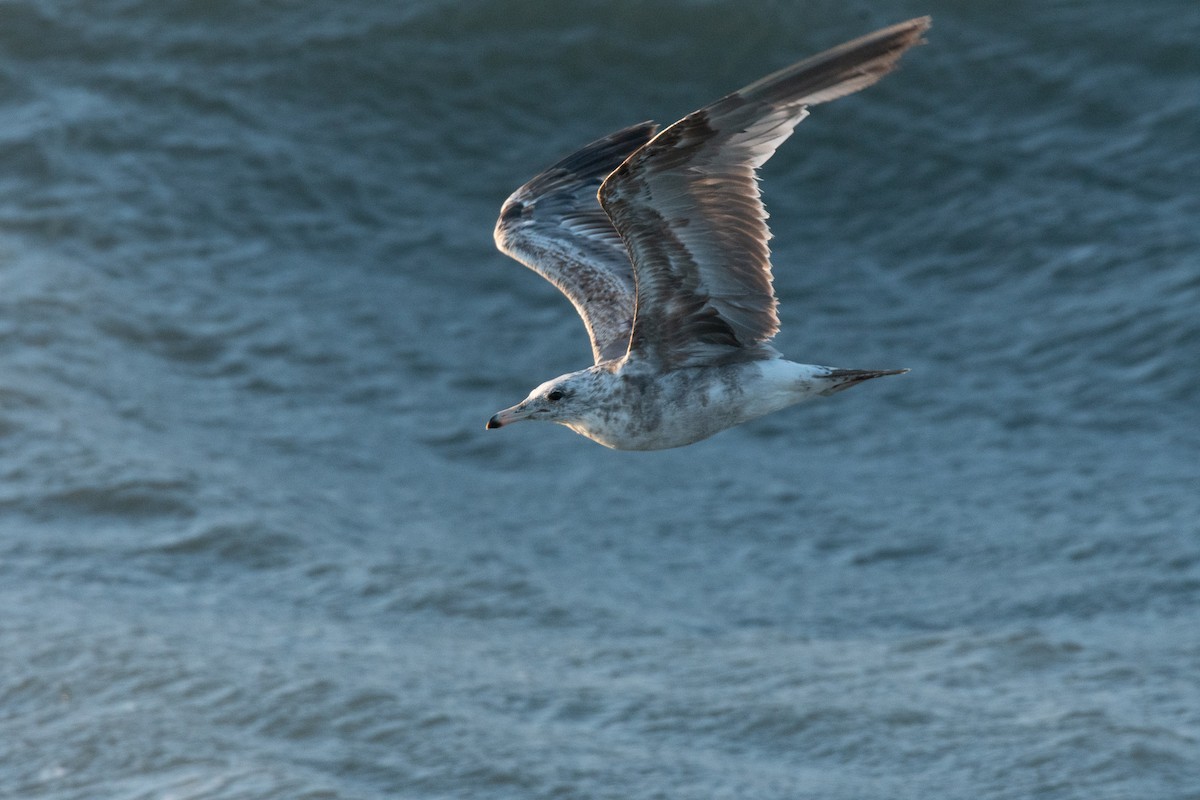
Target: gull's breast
[[657, 411]]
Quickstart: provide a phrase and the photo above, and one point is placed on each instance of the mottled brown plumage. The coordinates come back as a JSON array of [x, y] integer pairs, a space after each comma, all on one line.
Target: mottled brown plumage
[[688, 207], [556, 227]]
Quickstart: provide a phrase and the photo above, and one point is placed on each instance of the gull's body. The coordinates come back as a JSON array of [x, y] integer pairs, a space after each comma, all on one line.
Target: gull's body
[[660, 242]]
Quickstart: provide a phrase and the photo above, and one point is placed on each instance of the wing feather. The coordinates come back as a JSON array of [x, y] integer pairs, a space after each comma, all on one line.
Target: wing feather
[[555, 226], [688, 208]]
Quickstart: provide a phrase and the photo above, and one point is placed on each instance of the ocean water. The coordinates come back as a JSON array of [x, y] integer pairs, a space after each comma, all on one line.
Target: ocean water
[[256, 543]]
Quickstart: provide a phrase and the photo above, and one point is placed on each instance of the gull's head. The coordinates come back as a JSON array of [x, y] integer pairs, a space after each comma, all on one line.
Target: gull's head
[[564, 400]]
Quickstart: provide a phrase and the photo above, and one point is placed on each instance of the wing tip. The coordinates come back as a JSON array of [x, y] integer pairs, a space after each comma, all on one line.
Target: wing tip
[[840, 70]]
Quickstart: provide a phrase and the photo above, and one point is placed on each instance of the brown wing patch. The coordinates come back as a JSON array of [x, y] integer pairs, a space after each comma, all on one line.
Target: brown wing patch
[[688, 208], [555, 226]]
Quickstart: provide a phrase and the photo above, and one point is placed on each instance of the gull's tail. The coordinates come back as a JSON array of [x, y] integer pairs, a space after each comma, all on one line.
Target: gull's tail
[[840, 379]]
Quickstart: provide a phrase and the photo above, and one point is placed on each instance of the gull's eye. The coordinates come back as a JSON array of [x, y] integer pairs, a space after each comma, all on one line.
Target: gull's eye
[[555, 395]]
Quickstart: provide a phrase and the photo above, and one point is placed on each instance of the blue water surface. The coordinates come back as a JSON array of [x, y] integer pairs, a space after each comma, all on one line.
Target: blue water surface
[[255, 542]]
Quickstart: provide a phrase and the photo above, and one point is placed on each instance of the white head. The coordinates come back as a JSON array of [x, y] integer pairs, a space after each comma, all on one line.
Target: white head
[[567, 400]]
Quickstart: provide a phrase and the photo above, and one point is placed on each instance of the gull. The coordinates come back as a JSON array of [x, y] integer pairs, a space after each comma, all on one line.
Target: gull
[[659, 240]]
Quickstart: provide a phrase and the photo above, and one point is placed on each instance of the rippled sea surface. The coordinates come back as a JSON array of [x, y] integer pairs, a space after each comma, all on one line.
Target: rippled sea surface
[[255, 542]]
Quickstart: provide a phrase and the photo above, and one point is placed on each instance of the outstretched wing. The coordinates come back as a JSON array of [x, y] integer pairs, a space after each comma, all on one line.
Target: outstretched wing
[[687, 204], [554, 225]]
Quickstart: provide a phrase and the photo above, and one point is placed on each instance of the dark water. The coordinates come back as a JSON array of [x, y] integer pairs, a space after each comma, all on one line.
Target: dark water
[[255, 543]]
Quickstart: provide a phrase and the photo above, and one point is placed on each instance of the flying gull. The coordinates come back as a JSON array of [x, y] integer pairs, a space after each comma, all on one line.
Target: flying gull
[[660, 242]]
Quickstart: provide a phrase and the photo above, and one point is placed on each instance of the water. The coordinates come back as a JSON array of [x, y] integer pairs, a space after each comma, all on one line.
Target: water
[[255, 543]]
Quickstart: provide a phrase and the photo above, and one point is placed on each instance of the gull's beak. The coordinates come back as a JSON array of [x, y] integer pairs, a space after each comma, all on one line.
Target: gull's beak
[[502, 418]]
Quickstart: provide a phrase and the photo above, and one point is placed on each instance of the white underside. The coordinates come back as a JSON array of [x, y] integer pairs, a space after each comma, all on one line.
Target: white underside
[[693, 404]]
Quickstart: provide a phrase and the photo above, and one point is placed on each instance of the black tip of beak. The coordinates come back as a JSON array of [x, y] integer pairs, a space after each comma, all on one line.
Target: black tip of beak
[[494, 423]]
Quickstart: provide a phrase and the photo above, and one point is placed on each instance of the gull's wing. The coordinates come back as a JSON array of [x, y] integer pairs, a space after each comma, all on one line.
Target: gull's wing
[[554, 225], [688, 208]]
